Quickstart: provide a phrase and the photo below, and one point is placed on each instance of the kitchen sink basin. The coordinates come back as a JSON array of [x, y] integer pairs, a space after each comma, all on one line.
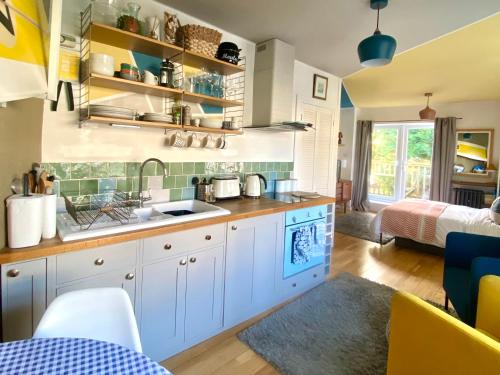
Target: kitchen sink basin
[[153, 215]]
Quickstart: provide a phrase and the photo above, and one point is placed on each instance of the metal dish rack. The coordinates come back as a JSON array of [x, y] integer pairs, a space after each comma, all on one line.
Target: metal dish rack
[[119, 208]]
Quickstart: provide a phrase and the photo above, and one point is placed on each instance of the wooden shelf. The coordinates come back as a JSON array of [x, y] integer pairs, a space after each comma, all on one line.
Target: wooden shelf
[[130, 41], [162, 125], [199, 61], [142, 88], [133, 86]]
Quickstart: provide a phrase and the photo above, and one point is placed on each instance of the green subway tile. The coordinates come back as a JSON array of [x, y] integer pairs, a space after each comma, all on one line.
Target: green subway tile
[[160, 171], [283, 166], [175, 169], [247, 167], [135, 183], [107, 185], [269, 166], [149, 169], [290, 166], [124, 184], [132, 169], [286, 174], [169, 182], [181, 181], [263, 166], [99, 170], [89, 187], [61, 170], [70, 187], [117, 169], [175, 194], [256, 167], [188, 193], [80, 170], [187, 168], [199, 168], [281, 175]]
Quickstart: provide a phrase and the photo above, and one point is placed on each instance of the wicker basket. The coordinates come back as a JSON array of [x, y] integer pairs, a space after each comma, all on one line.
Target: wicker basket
[[201, 39]]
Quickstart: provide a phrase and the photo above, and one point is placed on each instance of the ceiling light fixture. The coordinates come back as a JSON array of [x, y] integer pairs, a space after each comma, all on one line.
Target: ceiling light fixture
[[427, 113], [378, 49]]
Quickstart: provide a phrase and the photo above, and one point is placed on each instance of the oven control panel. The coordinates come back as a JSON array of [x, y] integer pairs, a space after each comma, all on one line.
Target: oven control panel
[[305, 214]]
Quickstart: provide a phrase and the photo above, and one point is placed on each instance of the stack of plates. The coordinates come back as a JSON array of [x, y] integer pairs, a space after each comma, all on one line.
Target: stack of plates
[[157, 117], [112, 111]]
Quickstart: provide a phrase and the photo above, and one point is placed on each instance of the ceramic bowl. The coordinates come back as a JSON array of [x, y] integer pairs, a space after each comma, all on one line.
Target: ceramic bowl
[[103, 64]]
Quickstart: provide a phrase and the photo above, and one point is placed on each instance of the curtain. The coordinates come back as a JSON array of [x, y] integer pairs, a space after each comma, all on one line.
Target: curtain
[[362, 162], [445, 133]]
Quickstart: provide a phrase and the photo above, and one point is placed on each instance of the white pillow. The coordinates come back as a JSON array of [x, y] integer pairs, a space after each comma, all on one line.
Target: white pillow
[[495, 211]]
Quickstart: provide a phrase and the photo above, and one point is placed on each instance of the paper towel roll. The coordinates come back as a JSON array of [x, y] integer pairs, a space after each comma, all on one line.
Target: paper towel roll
[[49, 216], [24, 220]]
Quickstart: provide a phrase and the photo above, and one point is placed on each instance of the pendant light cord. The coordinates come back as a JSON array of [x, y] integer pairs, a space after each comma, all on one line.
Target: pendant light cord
[[377, 31]]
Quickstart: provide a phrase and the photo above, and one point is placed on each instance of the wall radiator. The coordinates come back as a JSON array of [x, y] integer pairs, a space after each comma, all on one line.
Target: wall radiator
[[469, 197]]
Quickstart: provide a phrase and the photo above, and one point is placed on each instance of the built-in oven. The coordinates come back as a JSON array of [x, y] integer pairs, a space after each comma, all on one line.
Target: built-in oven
[[305, 240]]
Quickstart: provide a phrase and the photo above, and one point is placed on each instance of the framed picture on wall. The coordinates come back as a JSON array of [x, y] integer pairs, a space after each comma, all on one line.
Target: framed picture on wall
[[320, 87]]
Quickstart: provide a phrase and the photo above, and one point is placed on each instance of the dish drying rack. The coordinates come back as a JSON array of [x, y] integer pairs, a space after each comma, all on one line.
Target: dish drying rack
[[119, 207]]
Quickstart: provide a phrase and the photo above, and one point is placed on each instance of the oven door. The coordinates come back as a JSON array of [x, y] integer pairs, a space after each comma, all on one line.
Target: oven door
[[304, 246]]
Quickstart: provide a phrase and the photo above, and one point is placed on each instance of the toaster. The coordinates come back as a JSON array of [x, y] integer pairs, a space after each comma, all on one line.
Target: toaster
[[226, 186]]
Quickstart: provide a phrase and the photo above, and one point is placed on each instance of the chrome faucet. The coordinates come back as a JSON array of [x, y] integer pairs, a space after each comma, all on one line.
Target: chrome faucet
[[141, 171]]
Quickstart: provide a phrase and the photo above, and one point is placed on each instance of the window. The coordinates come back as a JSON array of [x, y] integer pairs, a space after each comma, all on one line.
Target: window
[[401, 161]]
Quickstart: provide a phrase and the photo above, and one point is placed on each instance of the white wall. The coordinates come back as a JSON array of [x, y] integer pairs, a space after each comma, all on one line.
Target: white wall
[[345, 152], [62, 140], [476, 115]]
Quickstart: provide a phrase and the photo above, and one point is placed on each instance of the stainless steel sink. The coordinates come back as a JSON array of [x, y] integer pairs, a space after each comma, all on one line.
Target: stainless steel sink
[[153, 215]]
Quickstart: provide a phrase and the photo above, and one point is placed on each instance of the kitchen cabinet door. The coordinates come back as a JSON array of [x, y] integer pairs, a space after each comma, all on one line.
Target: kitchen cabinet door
[[124, 279], [250, 278], [24, 298], [163, 296], [204, 293]]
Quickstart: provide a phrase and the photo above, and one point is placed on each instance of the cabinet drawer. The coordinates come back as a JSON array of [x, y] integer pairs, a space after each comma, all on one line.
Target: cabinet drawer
[[181, 242], [77, 265], [305, 214], [303, 281]]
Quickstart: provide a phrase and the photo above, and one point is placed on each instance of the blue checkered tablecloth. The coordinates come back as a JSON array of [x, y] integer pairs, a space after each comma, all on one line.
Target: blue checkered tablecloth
[[73, 356]]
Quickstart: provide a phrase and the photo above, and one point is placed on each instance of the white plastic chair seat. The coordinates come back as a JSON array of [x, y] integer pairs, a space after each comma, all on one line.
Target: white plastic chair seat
[[104, 314]]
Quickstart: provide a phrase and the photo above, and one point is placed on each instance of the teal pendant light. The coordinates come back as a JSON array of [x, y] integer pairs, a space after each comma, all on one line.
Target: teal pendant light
[[378, 49]]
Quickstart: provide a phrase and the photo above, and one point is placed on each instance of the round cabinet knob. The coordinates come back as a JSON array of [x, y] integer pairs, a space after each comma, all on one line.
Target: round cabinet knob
[[294, 219], [308, 214], [192, 259], [320, 214], [13, 273], [234, 227], [167, 246], [129, 276], [208, 237], [183, 262], [99, 262], [315, 275], [294, 285]]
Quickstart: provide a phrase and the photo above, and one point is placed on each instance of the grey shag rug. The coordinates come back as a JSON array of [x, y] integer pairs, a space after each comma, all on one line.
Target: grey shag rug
[[357, 224], [338, 328]]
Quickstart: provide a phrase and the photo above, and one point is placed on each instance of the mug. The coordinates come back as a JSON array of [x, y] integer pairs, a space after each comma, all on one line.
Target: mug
[[220, 143], [193, 141], [208, 142], [178, 140], [149, 78], [129, 72]]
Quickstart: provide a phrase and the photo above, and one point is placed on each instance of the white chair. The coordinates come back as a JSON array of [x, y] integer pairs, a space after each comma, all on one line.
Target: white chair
[[104, 314]]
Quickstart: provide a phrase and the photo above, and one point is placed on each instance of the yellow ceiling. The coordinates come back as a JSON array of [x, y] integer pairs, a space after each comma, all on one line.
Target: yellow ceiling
[[461, 66]]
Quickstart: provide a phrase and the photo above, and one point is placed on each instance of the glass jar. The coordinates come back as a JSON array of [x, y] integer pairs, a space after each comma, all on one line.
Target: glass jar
[[105, 11], [129, 19]]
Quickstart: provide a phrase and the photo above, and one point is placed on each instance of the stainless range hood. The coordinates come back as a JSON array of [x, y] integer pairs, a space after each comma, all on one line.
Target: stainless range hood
[[273, 88]]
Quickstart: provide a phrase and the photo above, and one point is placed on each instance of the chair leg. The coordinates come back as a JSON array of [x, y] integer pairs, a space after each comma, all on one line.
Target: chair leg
[[446, 300]]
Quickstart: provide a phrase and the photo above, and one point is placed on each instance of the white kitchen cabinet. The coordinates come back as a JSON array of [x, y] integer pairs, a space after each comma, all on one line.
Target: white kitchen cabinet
[[253, 247], [163, 307], [24, 298], [204, 293], [124, 279]]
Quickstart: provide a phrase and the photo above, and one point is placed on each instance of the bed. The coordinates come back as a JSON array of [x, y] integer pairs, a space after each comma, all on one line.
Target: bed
[[428, 222]]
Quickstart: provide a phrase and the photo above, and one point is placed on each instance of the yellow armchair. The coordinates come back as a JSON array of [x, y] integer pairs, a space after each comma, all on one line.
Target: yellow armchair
[[425, 340]]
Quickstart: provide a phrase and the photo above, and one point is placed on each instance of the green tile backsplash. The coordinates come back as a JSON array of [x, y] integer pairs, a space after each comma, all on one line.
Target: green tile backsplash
[[80, 180]]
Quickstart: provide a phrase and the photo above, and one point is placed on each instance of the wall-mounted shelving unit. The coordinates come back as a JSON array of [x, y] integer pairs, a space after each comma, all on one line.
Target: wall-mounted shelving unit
[[234, 77]]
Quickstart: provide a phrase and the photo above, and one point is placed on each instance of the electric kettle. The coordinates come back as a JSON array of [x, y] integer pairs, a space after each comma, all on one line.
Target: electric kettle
[[252, 185]]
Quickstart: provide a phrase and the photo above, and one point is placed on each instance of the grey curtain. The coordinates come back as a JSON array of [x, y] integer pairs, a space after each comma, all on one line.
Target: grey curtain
[[445, 133], [362, 163]]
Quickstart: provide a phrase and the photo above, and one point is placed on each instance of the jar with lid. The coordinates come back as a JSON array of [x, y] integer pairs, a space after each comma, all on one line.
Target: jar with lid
[[129, 19]]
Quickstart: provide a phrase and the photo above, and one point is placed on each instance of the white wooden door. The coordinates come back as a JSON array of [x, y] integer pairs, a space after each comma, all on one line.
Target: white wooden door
[[314, 151]]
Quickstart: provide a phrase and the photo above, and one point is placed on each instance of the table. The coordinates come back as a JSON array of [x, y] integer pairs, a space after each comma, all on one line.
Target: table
[[73, 356]]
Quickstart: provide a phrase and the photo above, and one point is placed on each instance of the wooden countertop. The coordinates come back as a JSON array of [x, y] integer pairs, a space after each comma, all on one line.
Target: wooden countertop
[[240, 209]]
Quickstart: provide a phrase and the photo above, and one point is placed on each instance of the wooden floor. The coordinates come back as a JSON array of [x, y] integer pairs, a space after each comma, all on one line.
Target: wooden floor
[[402, 269]]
